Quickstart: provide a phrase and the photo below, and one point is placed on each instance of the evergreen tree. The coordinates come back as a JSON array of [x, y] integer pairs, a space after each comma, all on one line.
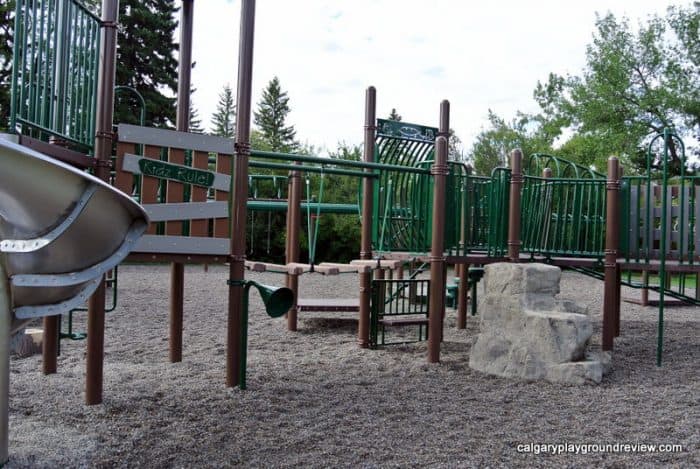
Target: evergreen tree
[[195, 123], [7, 15], [270, 118], [394, 116], [146, 60], [224, 119]]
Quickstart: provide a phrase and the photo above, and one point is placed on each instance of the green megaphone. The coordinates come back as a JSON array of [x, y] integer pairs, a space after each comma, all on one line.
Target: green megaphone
[[277, 300]]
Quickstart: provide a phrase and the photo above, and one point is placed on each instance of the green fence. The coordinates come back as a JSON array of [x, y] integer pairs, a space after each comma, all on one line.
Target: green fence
[[564, 217], [54, 74], [535, 164]]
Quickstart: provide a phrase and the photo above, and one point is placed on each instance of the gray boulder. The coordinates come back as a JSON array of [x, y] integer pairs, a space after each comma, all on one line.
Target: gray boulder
[[528, 333]]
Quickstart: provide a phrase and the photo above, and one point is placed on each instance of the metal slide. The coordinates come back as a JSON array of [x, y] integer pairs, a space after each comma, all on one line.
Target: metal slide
[[60, 230]]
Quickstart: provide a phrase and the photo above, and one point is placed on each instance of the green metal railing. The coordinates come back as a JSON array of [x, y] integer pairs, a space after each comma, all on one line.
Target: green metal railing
[[499, 198], [564, 217], [475, 195], [536, 163], [409, 304], [54, 72], [455, 206]]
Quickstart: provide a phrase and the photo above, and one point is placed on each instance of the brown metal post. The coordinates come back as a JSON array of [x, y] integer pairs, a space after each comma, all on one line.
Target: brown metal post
[[182, 123], [612, 227], [618, 297], [367, 208], [184, 70], [241, 149], [49, 347], [292, 245], [516, 182], [439, 171], [103, 153]]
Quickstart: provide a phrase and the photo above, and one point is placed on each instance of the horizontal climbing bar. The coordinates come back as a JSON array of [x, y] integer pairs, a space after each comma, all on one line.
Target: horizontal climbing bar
[[310, 169], [281, 206], [336, 162]]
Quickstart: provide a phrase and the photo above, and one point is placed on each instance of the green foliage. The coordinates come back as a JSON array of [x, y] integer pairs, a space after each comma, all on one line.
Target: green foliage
[[338, 237], [634, 85], [224, 119], [258, 141], [7, 15], [146, 60], [454, 145], [493, 145], [271, 116]]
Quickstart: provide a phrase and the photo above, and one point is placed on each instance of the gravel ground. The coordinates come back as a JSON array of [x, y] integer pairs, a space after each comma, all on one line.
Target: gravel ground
[[314, 399]]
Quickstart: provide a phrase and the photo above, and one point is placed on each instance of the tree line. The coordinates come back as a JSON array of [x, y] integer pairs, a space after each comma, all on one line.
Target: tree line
[[636, 82]]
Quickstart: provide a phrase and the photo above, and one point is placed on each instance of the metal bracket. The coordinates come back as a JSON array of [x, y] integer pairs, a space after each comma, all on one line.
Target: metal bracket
[[106, 134], [241, 148], [104, 164], [440, 170]]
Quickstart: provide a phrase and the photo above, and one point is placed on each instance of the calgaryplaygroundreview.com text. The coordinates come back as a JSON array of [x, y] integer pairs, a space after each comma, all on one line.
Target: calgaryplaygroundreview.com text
[[587, 448]]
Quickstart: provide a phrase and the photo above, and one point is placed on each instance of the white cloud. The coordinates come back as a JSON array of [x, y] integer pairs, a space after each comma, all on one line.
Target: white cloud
[[416, 53]]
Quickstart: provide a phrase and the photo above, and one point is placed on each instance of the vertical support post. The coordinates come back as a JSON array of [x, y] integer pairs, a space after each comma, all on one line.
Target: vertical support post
[[49, 344], [240, 193], [666, 208], [367, 201], [182, 119], [618, 299], [103, 151], [177, 269], [516, 182], [462, 296], [439, 171], [292, 245], [612, 227], [5, 327]]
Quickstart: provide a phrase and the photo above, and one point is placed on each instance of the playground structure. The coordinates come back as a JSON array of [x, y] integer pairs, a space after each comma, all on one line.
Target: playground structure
[[562, 214], [416, 206]]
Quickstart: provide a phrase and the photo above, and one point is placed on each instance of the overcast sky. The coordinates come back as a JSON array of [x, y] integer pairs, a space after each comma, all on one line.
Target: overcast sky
[[477, 55]]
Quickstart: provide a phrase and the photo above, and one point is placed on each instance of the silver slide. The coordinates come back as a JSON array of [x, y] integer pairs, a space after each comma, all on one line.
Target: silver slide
[[61, 229]]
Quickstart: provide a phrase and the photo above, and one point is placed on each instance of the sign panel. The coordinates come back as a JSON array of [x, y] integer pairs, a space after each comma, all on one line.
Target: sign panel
[[176, 172], [400, 129]]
